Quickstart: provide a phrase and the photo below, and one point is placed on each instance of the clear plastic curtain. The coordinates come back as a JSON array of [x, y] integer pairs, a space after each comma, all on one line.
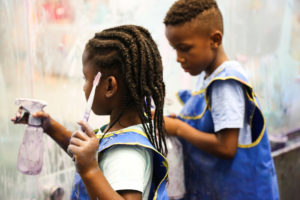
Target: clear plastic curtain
[[41, 45]]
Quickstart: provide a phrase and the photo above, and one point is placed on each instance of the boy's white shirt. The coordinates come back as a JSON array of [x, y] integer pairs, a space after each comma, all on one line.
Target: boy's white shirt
[[128, 167], [227, 102]]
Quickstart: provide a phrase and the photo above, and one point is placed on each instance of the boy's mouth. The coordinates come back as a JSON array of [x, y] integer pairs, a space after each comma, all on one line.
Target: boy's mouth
[[186, 69]]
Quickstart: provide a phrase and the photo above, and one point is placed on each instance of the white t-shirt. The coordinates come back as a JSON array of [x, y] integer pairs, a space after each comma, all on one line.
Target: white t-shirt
[[228, 102], [128, 167]]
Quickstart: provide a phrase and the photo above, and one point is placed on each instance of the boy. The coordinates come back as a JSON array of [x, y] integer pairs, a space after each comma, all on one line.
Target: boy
[[222, 129]]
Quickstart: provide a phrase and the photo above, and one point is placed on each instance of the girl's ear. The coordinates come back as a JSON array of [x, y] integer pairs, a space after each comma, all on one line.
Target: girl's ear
[[216, 39], [111, 86]]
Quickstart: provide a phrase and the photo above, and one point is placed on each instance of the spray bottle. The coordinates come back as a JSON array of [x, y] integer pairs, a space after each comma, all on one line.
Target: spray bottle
[[30, 157], [175, 186]]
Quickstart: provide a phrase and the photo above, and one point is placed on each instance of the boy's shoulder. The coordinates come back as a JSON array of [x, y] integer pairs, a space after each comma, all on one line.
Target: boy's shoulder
[[227, 70], [231, 68]]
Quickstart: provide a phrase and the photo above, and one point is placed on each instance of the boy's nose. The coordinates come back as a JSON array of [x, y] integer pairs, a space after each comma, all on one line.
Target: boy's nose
[[180, 59]]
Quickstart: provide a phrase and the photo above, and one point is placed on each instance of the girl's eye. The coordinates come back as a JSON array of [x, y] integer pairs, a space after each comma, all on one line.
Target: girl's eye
[[84, 78]]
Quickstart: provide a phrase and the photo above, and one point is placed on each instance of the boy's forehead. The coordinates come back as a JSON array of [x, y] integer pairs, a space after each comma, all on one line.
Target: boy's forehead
[[183, 31], [200, 25]]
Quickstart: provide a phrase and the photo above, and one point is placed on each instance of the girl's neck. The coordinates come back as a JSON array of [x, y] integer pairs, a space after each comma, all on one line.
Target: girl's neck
[[129, 117]]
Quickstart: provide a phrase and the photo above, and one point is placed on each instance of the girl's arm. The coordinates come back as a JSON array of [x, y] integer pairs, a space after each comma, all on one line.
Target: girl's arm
[[99, 188], [84, 147], [223, 144], [54, 129]]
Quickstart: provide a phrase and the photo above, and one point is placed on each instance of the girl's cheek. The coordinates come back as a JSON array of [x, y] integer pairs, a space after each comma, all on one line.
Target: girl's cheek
[[85, 89]]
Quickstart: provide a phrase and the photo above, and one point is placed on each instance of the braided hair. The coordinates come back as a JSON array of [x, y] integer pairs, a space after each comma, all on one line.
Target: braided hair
[[185, 10], [131, 54]]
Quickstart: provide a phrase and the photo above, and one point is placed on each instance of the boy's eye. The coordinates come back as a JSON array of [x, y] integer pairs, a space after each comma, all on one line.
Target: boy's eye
[[183, 48]]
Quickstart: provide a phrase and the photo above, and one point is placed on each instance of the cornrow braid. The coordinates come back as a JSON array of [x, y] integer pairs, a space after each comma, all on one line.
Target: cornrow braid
[[131, 51], [185, 10]]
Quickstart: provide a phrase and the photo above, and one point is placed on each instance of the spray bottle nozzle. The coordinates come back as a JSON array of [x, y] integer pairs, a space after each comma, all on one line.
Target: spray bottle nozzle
[[31, 106]]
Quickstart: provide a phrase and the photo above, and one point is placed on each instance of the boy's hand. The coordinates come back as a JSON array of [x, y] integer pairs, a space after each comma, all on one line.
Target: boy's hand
[[84, 147], [172, 124]]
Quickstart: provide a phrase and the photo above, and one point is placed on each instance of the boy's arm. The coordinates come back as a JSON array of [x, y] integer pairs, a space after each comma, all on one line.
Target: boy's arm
[[223, 144], [227, 100]]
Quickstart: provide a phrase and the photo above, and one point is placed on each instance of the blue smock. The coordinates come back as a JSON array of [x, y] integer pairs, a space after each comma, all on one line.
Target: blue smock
[[137, 138], [250, 174]]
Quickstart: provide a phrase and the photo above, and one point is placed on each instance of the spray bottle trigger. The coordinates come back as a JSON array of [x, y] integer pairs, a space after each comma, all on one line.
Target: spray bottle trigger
[[24, 114]]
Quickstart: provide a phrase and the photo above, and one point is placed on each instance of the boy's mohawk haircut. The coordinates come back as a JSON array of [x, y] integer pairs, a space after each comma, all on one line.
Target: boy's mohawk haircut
[[185, 10]]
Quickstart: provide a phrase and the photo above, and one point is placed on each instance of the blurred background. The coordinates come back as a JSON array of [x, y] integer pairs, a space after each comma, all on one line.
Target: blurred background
[[41, 45]]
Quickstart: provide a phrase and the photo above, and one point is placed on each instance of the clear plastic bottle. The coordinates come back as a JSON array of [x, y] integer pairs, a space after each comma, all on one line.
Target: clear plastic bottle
[[176, 184], [31, 151]]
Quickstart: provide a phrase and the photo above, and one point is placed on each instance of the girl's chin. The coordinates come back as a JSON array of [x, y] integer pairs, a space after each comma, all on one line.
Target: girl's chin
[[100, 113]]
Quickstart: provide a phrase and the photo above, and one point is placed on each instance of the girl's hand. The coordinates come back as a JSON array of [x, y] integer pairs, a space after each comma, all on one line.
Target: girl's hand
[[84, 147], [22, 116], [46, 119]]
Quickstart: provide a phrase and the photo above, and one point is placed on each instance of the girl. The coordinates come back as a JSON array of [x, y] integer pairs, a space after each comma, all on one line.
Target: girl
[[125, 161]]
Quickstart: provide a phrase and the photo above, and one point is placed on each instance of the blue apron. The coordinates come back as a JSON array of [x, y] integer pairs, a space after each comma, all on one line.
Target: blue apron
[[250, 174], [137, 138]]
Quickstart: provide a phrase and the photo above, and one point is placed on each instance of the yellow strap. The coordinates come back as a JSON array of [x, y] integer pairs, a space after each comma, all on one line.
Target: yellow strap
[[109, 134]]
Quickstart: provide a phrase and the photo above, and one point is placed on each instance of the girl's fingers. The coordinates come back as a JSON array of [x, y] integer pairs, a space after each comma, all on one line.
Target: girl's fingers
[[86, 128], [75, 141], [69, 152], [40, 114], [73, 150], [80, 135], [21, 116]]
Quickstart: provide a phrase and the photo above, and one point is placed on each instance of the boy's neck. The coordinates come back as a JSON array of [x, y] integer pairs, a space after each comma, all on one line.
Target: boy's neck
[[221, 57]]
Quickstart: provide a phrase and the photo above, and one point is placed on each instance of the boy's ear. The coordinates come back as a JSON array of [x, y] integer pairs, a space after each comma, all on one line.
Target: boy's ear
[[111, 86], [216, 39]]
